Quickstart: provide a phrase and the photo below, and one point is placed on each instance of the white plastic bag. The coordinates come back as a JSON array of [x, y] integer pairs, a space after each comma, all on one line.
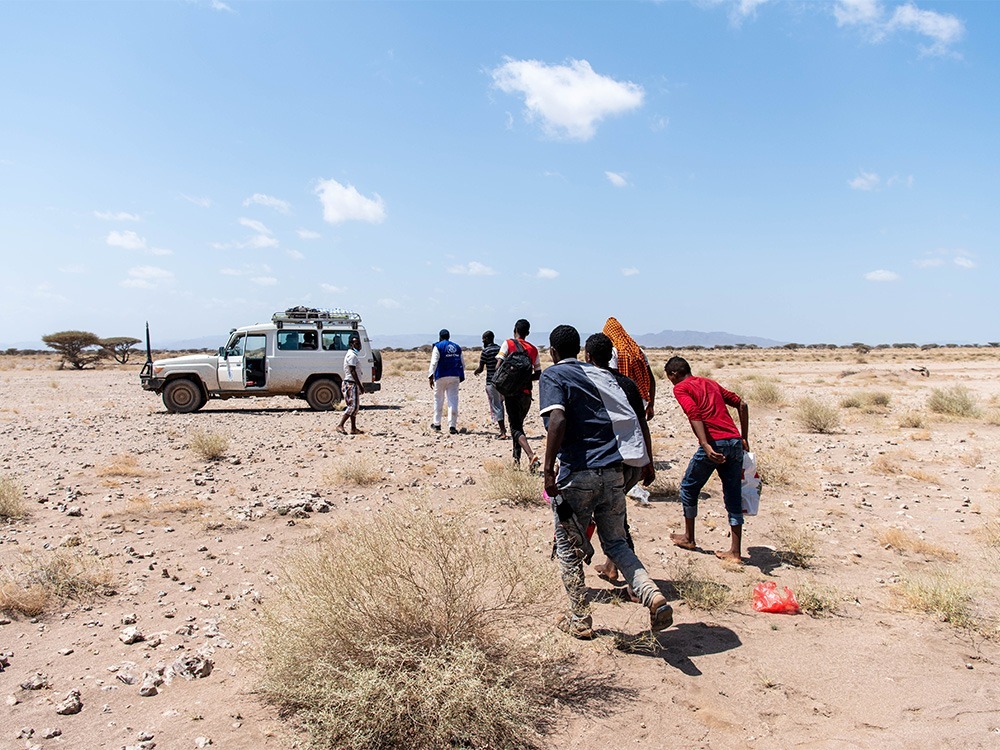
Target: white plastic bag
[[751, 485], [641, 494]]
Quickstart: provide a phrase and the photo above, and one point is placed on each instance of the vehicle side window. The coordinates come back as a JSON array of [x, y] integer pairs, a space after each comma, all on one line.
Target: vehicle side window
[[255, 346], [235, 347], [336, 341], [294, 341]]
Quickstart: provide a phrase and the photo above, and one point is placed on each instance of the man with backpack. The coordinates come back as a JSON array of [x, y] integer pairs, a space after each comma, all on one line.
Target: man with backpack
[[517, 366], [446, 371]]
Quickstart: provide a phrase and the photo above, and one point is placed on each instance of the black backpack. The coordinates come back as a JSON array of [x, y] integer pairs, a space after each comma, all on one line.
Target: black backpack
[[514, 372]]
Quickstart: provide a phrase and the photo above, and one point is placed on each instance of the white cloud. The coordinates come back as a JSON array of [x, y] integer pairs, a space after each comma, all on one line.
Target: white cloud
[[938, 258], [964, 262], [259, 199], [882, 275], [472, 268], [255, 225], [897, 180], [219, 5], [569, 100], [659, 123], [44, 291], [744, 9], [344, 203], [260, 240], [202, 202], [616, 179], [294, 255], [630, 271], [146, 277], [264, 280], [388, 303], [116, 216], [865, 181], [546, 273], [929, 262], [160, 251], [943, 30], [331, 289], [128, 240], [307, 234]]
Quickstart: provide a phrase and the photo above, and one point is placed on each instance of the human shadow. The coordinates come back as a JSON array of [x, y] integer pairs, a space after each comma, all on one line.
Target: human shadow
[[764, 558], [677, 645]]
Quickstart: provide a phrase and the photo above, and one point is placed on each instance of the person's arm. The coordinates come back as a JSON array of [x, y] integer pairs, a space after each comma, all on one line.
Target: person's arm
[[482, 364], [648, 471], [702, 434], [537, 364], [650, 412], [745, 424], [435, 356], [554, 435]]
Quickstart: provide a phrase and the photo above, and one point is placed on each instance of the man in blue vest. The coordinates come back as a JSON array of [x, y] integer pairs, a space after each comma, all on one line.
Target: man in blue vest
[[447, 370]]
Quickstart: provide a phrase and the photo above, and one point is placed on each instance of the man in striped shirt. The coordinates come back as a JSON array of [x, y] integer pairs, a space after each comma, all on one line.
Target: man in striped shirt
[[488, 361]]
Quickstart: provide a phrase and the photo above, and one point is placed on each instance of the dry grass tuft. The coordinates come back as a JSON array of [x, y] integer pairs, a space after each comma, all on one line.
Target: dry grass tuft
[[764, 392], [990, 533], [942, 595], [700, 590], [123, 466], [816, 600], [414, 648], [872, 402], [780, 466], [11, 499], [956, 401], [209, 446], [506, 482], [912, 420], [359, 471], [992, 417], [886, 463], [796, 545], [47, 580], [663, 486], [903, 541], [817, 416]]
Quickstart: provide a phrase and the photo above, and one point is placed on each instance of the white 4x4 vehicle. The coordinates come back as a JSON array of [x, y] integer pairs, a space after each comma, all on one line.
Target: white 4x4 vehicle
[[299, 354]]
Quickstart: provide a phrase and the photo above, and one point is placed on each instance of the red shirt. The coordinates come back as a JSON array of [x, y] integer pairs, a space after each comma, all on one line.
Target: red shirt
[[531, 350], [705, 400]]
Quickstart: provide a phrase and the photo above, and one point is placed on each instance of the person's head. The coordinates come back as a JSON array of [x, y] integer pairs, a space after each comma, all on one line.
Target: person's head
[[354, 342], [444, 334], [677, 368], [522, 328], [598, 350], [564, 342], [487, 338]]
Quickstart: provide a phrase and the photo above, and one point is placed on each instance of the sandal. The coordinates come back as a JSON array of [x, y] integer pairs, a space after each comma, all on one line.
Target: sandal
[[534, 464], [662, 618]]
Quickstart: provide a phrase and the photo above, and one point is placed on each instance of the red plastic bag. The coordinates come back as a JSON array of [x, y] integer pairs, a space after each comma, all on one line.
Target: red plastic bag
[[767, 598]]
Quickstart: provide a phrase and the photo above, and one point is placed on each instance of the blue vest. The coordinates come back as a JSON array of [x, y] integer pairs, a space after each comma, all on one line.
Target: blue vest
[[449, 361]]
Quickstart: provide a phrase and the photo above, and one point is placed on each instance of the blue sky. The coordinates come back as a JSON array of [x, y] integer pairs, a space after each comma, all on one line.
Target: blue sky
[[804, 171]]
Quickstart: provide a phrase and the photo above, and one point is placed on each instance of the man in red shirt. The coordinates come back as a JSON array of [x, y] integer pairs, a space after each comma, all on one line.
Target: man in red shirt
[[518, 406], [720, 449]]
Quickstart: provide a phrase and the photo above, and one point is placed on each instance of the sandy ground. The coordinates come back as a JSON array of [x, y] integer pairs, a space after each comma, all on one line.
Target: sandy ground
[[193, 547]]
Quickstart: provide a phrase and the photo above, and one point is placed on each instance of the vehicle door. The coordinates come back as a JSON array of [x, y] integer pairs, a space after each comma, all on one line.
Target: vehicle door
[[231, 375]]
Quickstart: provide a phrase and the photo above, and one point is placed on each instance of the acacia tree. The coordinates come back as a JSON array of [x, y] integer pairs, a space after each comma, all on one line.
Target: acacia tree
[[119, 347], [76, 347]]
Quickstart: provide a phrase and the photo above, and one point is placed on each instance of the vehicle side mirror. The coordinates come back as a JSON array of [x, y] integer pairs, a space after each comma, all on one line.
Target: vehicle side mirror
[[222, 352]]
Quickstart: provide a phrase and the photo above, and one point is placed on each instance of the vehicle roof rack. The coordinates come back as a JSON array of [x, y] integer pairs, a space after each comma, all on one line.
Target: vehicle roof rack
[[302, 314]]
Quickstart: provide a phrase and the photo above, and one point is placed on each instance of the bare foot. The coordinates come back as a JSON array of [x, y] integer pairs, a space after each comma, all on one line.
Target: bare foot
[[607, 571], [682, 541], [341, 430], [729, 556]]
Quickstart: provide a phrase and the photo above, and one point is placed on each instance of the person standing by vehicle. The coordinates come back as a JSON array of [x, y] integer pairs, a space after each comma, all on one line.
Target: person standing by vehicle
[[446, 371], [519, 404], [488, 361], [351, 387]]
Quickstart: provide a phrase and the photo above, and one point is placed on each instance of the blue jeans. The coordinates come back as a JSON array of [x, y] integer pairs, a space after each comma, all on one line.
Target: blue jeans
[[730, 473], [597, 494]]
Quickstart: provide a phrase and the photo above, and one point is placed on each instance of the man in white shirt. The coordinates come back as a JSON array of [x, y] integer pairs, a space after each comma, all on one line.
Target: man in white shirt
[[351, 387]]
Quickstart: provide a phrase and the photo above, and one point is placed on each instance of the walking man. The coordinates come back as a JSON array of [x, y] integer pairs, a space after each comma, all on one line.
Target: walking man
[[593, 431], [720, 448], [351, 387], [446, 371], [518, 405], [488, 361]]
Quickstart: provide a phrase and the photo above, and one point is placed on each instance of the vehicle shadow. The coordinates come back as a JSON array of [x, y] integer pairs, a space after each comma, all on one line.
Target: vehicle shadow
[[282, 409]]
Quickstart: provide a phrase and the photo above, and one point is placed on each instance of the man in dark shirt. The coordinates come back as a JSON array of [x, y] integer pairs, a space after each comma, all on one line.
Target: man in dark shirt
[[593, 430], [488, 361]]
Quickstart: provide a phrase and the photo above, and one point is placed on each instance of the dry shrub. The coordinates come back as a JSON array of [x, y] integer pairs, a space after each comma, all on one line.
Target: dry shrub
[[816, 600], [359, 471], [209, 446], [701, 590], [663, 486], [123, 466], [427, 643], [817, 416], [992, 417], [921, 435], [506, 482], [872, 402], [795, 545], [941, 595], [902, 541], [971, 458], [780, 466], [886, 463], [42, 581], [990, 532], [923, 476], [11, 499], [912, 420], [765, 392], [956, 401]]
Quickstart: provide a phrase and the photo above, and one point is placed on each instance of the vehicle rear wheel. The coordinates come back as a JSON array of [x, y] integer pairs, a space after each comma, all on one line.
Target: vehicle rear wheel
[[323, 394], [376, 365], [183, 396]]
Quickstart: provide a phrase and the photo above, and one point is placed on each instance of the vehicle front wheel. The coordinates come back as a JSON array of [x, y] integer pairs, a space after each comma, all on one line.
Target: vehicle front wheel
[[183, 396], [323, 394]]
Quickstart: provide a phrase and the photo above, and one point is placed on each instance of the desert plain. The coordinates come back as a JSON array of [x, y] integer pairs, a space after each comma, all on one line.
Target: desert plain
[[139, 549]]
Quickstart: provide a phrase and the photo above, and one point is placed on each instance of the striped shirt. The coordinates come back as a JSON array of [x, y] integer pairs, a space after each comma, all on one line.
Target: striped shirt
[[488, 359]]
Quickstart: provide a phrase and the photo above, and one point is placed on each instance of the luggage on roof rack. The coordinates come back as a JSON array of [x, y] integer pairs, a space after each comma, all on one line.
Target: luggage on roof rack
[[302, 314]]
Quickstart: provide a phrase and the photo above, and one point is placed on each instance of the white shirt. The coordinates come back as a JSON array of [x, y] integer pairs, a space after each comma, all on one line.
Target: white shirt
[[351, 359]]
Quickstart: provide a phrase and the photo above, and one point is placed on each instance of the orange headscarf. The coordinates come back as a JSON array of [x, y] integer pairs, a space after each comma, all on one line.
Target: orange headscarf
[[631, 362]]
